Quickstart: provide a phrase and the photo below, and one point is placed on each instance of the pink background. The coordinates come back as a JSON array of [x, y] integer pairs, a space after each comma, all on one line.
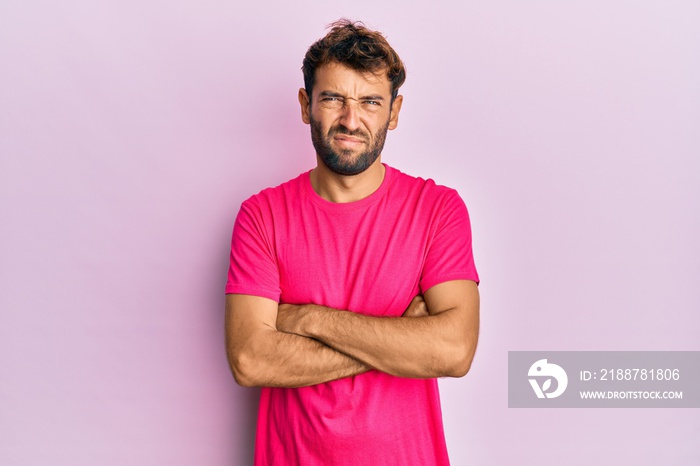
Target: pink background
[[130, 131]]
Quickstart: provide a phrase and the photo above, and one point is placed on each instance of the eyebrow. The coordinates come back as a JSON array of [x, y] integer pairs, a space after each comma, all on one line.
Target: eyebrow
[[335, 94]]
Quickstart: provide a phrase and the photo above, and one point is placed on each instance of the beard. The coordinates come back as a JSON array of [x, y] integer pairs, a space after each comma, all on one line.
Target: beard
[[343, 162]]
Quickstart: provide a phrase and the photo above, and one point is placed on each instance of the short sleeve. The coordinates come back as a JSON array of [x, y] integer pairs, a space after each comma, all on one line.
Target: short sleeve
[[253, 267], [449, 255]]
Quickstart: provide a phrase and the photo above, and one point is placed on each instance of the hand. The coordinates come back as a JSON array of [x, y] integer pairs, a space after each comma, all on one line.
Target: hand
[[417, 308]]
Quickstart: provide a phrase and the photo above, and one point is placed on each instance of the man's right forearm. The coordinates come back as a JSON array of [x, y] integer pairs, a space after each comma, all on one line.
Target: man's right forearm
[[259, 355], [277, 359]]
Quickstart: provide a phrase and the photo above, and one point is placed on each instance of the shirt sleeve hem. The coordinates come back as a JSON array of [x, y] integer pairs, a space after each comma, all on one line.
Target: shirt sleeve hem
[[253, 291], [427, 284]]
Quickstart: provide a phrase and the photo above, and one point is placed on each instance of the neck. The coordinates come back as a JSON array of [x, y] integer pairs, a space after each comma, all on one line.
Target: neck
[[342, 189]]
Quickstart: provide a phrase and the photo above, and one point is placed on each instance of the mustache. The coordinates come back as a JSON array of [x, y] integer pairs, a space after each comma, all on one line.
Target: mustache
[[340, 129]]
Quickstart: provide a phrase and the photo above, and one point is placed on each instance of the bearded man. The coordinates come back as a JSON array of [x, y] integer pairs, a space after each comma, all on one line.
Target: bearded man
[[352, 287]]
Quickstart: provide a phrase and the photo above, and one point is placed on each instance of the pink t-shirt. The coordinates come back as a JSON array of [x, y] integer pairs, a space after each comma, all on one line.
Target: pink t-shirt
[[371, 256]]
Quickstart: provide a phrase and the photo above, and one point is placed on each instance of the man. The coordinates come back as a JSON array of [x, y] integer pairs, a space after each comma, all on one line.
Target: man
[[351, 287]]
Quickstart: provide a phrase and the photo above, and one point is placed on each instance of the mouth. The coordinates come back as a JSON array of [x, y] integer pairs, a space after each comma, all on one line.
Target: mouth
[[347, 141]]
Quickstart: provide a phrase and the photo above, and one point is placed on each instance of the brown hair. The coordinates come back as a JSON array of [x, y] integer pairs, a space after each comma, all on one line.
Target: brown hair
[[353, 45]]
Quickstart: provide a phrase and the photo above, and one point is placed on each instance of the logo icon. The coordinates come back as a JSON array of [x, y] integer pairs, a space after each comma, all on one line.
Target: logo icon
[[547, 371]]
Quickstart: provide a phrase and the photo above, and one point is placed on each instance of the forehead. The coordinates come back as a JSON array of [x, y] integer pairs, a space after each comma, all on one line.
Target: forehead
[[339, 78]]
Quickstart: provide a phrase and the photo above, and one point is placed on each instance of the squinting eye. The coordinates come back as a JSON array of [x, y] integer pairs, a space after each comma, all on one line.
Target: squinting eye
[[372, 102]]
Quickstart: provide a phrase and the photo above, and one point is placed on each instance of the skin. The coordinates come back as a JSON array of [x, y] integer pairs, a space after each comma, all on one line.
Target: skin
[[284, 345], [368, 110]]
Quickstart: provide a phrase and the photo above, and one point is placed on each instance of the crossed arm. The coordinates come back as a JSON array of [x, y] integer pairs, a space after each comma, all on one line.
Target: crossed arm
[[292, 346]]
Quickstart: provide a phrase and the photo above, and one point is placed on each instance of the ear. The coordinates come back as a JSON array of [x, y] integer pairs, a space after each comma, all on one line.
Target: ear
[[395, 109], [305, 106]]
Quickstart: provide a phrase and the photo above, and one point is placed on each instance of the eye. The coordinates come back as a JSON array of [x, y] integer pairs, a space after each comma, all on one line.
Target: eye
[[372, 102]]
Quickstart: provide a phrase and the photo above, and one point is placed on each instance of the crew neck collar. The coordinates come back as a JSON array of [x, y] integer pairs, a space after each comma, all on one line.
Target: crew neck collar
[[347, 206]]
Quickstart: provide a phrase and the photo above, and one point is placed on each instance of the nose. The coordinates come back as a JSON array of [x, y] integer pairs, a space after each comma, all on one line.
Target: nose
[[350, 117]]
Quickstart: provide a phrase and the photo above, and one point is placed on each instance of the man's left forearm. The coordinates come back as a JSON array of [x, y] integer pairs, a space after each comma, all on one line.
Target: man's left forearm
[[438, 345]]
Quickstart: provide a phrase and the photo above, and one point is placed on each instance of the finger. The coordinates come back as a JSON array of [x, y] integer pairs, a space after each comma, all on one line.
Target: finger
[[416, 308]]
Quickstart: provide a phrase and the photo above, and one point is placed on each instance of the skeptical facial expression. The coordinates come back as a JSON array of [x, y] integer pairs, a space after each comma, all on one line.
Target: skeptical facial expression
[[350, 114]]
